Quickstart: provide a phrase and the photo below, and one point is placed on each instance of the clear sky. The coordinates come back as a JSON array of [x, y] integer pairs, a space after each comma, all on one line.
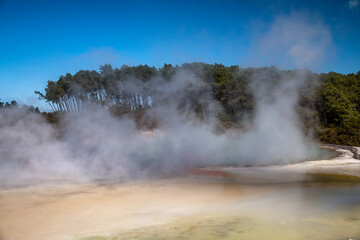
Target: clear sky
[[41, 40]]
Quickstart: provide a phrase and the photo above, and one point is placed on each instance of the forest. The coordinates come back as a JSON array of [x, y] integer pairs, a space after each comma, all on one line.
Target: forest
[[328, 103]]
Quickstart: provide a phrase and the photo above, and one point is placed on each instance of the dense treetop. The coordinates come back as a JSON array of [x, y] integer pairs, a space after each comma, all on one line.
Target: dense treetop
[[329, 103]]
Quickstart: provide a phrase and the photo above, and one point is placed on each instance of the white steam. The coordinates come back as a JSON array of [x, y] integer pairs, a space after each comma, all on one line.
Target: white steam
[[294, 41], [97, 145], [276, 130]]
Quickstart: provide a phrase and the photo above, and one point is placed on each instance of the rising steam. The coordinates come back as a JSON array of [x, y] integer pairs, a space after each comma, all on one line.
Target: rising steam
[[97, 145]]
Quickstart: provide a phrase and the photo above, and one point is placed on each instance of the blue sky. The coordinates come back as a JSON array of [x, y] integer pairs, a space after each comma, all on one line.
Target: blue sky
[[41, 40]]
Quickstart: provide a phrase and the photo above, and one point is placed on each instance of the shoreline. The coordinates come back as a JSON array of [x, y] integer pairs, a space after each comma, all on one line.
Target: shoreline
[[354, 150], [66, 210], [342, 168]]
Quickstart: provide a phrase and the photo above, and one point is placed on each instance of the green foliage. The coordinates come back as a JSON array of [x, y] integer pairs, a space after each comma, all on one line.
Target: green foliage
[[338, 105], [331, 110]]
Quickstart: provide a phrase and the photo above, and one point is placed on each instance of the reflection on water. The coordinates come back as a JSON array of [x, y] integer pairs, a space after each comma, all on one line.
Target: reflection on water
[[209, 206], [297, 211]]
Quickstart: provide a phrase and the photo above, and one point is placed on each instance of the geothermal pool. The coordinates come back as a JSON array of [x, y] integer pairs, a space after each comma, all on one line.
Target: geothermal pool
[[182, 209], [198, 206]]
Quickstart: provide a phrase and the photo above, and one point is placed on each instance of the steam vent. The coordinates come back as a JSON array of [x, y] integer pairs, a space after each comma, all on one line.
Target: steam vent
[[179, 120]]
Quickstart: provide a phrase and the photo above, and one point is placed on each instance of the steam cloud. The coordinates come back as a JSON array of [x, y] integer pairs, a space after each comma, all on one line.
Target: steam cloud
[[297, 40], [97, 145]]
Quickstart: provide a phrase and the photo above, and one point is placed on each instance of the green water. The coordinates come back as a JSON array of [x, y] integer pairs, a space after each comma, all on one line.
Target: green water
[[319, 211]]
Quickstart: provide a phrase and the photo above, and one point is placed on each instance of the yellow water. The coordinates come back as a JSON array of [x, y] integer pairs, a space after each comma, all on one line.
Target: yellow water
[[182, 209], [310, 211]]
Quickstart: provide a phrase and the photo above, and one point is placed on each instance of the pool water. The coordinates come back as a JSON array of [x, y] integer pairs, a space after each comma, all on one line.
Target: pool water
[[318, 211]]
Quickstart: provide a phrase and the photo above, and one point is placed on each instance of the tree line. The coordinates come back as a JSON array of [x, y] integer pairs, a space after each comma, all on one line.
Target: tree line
[[331, 110], [14, 105], [71, 93], [10, 104]]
